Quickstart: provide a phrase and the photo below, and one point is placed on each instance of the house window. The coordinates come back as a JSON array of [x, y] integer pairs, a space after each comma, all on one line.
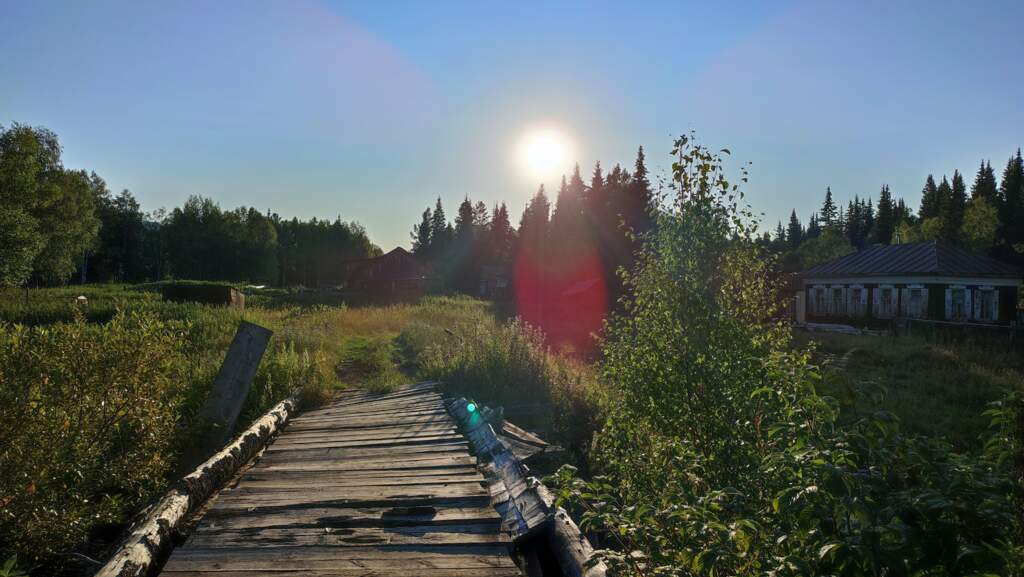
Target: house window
[[837, 301], [958, 298], [916, 303], [855, 302], [819, 301], [888, 306], [987, 298]]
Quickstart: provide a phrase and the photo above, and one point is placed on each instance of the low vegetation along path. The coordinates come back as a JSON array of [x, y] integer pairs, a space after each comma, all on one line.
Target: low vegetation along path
[[371, 485]]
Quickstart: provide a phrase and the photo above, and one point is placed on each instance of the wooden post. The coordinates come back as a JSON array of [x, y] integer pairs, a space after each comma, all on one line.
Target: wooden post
[[229, 392]]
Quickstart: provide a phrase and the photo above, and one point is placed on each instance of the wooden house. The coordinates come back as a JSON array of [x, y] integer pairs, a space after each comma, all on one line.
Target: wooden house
[[923, 280], [394, 275]]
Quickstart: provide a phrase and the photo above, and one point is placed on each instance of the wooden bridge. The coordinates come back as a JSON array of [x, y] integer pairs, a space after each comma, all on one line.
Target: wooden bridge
[[375, 485]]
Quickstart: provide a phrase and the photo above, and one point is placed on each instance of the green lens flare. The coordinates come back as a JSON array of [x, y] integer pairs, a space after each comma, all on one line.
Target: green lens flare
[[471, 407]]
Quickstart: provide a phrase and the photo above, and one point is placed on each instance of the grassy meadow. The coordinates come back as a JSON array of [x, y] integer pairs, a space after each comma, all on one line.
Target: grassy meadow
[[98, 400], [939, 390]]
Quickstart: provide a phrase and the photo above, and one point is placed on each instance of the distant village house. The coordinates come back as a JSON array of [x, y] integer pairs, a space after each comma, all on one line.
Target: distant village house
[[924, 280], [392, 276]]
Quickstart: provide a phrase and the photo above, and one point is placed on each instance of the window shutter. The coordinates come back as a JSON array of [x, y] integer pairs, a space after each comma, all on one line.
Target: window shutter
[[949, 303], [876, 304], [977, 304], [967, 304], [923, 313], [863, 302], [995, 305], [904, 307]]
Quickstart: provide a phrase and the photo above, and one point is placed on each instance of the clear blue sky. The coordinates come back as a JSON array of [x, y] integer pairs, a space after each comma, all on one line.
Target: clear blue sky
[[369, 110]]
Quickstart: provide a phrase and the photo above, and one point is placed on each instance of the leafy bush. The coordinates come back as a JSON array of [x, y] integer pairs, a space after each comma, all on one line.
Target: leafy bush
[[87, 422], [719, 458]]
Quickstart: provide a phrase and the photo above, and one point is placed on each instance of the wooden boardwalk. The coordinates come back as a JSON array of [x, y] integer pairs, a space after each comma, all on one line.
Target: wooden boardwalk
[[371, 485]]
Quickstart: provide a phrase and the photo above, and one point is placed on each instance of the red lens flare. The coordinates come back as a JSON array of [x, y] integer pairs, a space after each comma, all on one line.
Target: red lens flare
[[565, 295]]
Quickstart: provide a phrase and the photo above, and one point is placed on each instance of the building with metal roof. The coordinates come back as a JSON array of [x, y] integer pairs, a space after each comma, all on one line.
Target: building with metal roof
[[923, 280]]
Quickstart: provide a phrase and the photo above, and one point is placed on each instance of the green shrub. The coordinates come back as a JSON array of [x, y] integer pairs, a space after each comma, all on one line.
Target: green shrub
[[87, 422], [719, 458]]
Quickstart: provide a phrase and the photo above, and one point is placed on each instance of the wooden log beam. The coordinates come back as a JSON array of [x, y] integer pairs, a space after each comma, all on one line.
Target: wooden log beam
[[150, 539]]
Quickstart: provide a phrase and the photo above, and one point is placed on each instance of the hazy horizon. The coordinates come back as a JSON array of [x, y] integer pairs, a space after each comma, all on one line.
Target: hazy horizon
[[370, 112]]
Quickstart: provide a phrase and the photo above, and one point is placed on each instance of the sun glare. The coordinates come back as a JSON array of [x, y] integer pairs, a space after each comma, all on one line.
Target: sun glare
[[544, 153]]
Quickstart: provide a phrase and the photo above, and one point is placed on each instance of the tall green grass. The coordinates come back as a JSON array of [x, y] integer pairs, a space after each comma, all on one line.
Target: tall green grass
[[510, 365], [939, 390]]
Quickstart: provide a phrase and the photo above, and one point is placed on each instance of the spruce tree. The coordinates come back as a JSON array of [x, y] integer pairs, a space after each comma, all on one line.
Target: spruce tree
[[794, 232], [1011, 205], [502, 235], [439, 234], [929, 199], [829, 212], [534, 225], [813, 228], [985, 183], [953, 208], [885, 223], [421, 237]]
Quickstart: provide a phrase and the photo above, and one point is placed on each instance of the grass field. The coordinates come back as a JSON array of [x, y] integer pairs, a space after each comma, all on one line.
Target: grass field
[[98, 400], [940, 390], [60, 363]]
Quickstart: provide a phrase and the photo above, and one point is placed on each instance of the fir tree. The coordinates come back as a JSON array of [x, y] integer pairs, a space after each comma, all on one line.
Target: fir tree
[[637, 204], [464, 221], [829, 213], [929, 199], [1011, 206], [502, 235], [985, 183], [813, 228], [439, 232], [794, 232], [885, 223], [901, 215], [953, 208], [533, 225], [421, 236]]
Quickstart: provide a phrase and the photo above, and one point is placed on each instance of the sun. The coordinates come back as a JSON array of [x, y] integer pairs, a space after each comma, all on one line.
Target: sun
[[544, 152]]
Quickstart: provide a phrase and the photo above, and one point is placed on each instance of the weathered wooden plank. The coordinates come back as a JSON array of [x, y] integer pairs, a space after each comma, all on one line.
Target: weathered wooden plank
[[328, 443], [463, 534], [411, 558], [360, 572], [423, 516], [245, 497], [330, 480], [414, 461], [439, 448]]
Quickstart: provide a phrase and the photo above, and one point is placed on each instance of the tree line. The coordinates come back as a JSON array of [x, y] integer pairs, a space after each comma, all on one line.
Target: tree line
[[597, 221], [990, 220], [58, 225]]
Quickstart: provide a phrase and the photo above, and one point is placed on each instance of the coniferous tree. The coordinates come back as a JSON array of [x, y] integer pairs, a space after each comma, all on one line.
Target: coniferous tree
[[637, 216], [829, 212], [813, 228], [533, 225], [902, 214], [421, 236], [885, 223], [794, 232], [953, 209], [1011, 206], [502, 236], [929, 199], [439, 233], [985, 183]]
